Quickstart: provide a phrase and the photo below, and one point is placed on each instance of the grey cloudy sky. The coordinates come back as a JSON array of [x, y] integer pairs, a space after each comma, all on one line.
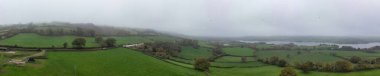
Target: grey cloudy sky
[[208, 17]]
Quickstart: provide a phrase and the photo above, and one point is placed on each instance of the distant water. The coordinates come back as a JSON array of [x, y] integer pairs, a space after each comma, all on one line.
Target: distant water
[[368, 45]]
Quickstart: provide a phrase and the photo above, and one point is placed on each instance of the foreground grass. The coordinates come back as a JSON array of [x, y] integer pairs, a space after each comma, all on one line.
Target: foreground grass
[[115, 62]]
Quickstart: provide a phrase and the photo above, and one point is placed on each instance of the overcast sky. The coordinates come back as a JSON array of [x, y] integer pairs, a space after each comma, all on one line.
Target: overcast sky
[[225, 18]]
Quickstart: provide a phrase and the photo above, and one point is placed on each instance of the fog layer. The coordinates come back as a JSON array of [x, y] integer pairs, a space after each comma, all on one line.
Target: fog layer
[[221, 18]]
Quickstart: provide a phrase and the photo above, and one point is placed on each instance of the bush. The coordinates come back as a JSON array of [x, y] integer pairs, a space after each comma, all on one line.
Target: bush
[[79, 43], [282, 63], [306, 67], [288, 71], [202, 64], [343, 66], [355, 59]]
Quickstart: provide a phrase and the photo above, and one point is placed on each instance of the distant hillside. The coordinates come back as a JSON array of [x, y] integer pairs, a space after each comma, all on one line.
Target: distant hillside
[[77, 29]]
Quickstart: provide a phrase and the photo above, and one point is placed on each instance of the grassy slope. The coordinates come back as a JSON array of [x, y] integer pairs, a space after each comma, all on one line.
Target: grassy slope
[[34, 40], [141, 39], [239, 51], [191, 53], [115, 62]]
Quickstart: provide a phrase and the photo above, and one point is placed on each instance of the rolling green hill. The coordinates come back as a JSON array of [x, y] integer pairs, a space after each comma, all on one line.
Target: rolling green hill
[[114, 62]]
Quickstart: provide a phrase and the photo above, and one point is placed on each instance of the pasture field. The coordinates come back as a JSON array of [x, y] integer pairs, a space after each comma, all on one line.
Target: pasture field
[[120, 61], [205, 44], [349, 54], [294, 57], [233, 59], [189, 52], [142, 39], [34, 40], [114, 62], [238, 51]]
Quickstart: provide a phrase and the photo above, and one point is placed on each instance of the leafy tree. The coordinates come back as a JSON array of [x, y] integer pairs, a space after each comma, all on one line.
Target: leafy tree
[[288, 71], [343, 66], [355, 59], [306, 67], [79, 43], [274, 60], [202, 64], [110, 42], [282, 63], [65, 45], [99, 39], [377, 60], [244, 59]]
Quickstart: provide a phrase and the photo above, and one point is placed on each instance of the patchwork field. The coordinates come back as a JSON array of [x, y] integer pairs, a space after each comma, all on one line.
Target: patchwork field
[[141, 39], [294, 57], [34, 40], [238, 51], [191, 53]]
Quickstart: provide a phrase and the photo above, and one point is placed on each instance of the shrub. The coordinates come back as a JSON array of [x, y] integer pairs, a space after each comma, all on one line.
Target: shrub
[[288, 71], [202, 64], [343, 66]]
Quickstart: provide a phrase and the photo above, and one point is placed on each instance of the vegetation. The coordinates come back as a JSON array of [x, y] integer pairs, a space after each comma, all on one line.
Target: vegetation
[[288, 71], [79, 43], [202, 64], [34, 40]]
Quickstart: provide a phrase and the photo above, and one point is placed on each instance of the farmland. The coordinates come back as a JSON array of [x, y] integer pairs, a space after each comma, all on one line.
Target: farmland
[[170, 56], [34, 40], [99, 63]]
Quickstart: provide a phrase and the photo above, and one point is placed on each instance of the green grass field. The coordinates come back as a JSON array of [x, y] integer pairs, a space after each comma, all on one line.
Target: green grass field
[[34, 40], [349, 54], [191, 53], [233, 59], [142, 39], [238, 51], [115, 62]]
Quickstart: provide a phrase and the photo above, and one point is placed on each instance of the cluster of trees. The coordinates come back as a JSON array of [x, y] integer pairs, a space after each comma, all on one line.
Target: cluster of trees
[[339, 66], [363, 64], [161, 49], [288, 71], [217, 52], [80, 43], [202, 64], [274, 61], [189, 42], [109, 42], [55, 30]]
